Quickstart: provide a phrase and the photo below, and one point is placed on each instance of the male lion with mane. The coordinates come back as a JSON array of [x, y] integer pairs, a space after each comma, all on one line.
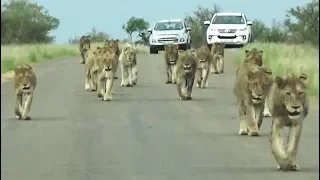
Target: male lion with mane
[[171, 57], [25, 82], [289, 106], [186, 70], [251, 85]]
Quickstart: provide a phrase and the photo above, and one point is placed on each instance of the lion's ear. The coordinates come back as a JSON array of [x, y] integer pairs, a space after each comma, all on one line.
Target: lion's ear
[[261, 52], [303, 77], [246, 51], [16, 70], [117, 40], [266, 70], [279, 82]]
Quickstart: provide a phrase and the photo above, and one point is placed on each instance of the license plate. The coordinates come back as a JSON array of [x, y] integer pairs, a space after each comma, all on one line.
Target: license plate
[[167, 42]]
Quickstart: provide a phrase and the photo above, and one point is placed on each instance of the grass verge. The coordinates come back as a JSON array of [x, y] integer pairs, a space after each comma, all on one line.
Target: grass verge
[[13, 55], [283, 58]]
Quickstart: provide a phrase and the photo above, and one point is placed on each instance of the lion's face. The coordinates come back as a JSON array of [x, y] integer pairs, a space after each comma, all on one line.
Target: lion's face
[[202, 54], [293, 93], [219, 48], [172, 52], [112, 45], [23, 78], [107, 62], [86, 48], [129, 54], [254, 56], [187, 61], [260, 81]]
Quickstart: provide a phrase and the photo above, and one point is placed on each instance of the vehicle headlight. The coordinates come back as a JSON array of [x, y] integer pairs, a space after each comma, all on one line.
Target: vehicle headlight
[[153, 41], [244, 29], [182, 39]]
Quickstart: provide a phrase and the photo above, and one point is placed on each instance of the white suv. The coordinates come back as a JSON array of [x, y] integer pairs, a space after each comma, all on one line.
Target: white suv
[[228, 28], [169, 31]]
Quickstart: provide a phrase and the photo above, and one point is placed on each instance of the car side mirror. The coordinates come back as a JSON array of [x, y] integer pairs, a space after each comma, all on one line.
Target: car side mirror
[[207, 23], [249, 23], [188, 29], [149, 30]]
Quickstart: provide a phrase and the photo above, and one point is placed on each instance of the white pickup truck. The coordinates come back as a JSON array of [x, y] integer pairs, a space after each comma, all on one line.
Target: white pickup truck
[[169, 31], [228, 28]]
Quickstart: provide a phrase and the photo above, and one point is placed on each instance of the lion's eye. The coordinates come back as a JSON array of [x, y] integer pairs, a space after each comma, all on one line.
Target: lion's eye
[[288, 93]]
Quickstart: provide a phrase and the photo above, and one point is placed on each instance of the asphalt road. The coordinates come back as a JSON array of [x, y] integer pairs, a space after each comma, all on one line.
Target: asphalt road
[[145, 133]]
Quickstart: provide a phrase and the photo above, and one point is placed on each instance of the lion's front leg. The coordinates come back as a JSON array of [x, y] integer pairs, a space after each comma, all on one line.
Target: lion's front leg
[[242, 115], [199, 77], [213, 67], [189, 84], [252, 126], [179, 88], [259, 115], [18, 105], [174, 74], [134, 74], [221, 65], [205, 74], [101, 87], [293, 144], [27, 106], [88, 80], [108, 86], [82, 60], [277, 148], [130, 76], [125, 75], [169, 74], [94, 78], [266, 111]]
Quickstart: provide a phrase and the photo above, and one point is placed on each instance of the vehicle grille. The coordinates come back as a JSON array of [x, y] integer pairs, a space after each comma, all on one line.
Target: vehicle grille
[[167, 39], [224, 30], [227, 37]]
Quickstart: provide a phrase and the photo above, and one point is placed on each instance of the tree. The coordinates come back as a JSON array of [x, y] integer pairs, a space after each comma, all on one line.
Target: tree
[[195, 21], [95, 36], [135, 25], [26, 22], [303, 22]]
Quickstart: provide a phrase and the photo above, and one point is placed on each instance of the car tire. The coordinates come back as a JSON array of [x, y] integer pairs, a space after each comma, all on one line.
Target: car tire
[[153, 50]]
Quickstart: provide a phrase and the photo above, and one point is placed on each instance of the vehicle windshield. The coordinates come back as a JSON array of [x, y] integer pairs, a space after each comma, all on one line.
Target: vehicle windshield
[[163, 26], [228, 20]]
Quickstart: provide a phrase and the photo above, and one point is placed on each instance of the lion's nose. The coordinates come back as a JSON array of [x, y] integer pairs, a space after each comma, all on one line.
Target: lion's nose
[[296, 106], [25, 84]]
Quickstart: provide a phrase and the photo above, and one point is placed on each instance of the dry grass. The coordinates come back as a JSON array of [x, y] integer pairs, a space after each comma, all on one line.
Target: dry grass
[[13, 55], [283, 58]]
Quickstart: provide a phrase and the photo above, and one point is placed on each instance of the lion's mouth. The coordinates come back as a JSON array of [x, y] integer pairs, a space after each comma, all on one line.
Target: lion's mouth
[[26, 88], [108, 69], [202, 61], [294, 114], [172, 62], [256, 98]]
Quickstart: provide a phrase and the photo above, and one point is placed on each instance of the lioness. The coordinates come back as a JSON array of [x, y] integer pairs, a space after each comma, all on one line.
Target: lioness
[[107, 68], [91, 68], [186, 71], [25, 82], [217, 65], [84, 46], [204, 60], [251, 85], [289, 105], [171, 56], [128, 65]]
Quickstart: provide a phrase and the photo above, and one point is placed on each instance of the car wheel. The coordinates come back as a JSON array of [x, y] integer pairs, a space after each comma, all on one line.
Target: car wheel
[[153, 50]]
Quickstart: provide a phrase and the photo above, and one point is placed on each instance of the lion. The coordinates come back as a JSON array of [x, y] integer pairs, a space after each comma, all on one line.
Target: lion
[[217, 65], [171, 56], [84, 47], [289, 105], [254, 56], [204, 60], [25, 82], [250, 88], [107, 67], [114, 45], [128, 65], [91, 68], [186, 70]]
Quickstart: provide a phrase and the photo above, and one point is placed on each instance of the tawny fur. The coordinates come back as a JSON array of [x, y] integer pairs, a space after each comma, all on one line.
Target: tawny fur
[[114, 46], [107, 67], [217, 65], [251, 85], [128, 65], [204, 60], [289, 105], [171, 56], [186, 70], [91, 68], [84, 47], [25, 82], [254, 56]]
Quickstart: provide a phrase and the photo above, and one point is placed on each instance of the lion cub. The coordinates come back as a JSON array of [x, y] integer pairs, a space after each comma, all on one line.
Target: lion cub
[[204, 60], [171, 56], [251, 85], [217, 65], [107, 67], [128, 65], [289, 105], [25, 82], [186, 70]]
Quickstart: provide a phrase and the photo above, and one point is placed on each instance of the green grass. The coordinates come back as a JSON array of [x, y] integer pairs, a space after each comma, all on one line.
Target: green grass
[[283, 58], [13, 55]]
